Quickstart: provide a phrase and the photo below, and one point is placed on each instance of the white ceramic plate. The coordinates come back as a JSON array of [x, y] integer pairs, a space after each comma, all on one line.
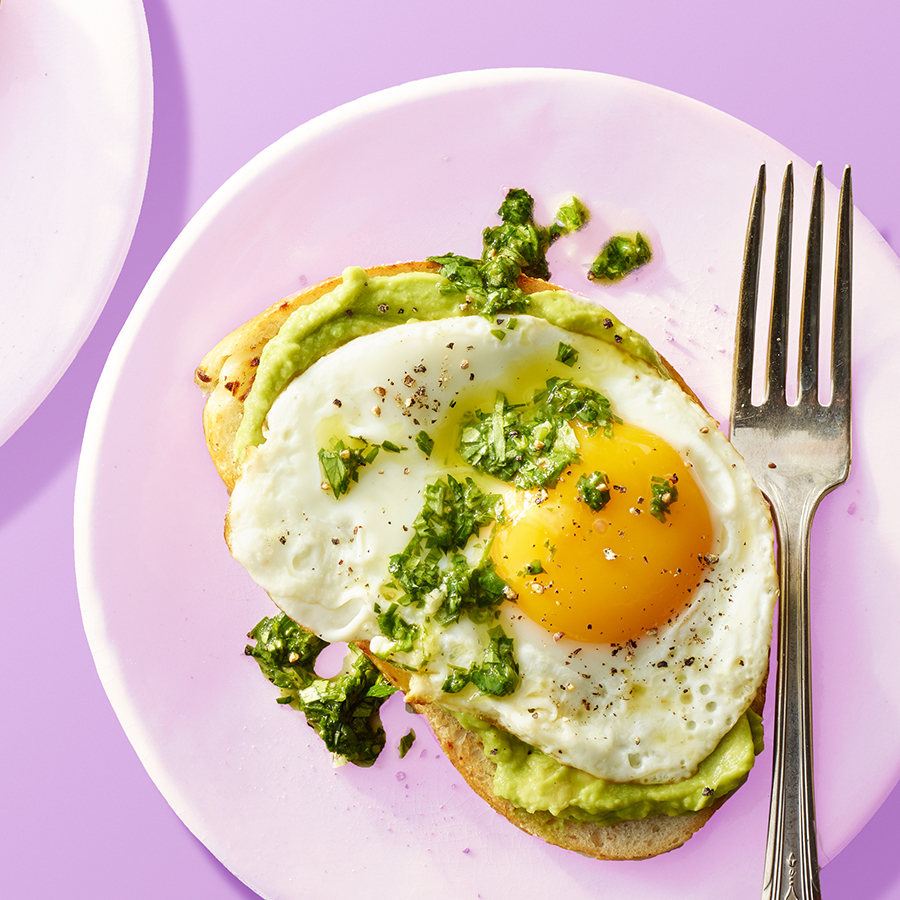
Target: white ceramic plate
[[76, 100], [402, 174]]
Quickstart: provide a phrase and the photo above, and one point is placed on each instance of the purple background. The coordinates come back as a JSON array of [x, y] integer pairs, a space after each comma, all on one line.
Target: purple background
[[80, 817]]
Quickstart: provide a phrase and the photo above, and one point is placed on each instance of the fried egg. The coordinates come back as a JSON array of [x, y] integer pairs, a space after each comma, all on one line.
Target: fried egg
[[640, 638]]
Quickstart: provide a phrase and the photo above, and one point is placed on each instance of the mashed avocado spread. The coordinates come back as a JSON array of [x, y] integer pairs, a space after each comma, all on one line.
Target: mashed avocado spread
[[535, 782]]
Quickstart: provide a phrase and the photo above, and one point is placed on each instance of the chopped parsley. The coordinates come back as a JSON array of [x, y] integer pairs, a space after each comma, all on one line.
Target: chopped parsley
[[497, 674], [433, 573], [476, 591], [572, 402], [620, 255], [401, 632], [341, 464], [664, 495], [530, 445], [518, 246], [406, 742], [343, 710], [453, 512], [567, 355], [425, 442], [593, 489], [522, 240]]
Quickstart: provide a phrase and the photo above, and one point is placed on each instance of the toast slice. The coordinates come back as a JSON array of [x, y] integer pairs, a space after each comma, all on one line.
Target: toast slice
[[226, 375]]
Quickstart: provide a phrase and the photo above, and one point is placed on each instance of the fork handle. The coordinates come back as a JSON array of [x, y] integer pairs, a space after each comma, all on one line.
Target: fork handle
[[792, 868]]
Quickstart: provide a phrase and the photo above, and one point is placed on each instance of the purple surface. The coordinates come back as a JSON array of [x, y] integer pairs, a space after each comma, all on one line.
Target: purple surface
[[81, 817]]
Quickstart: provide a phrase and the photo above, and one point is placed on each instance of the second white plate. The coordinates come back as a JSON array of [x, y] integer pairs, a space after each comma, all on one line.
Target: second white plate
[[76, 100]]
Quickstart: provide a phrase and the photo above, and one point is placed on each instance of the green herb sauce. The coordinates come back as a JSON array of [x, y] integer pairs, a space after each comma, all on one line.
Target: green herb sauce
[[343, 710], [530, 445], [619, 256]]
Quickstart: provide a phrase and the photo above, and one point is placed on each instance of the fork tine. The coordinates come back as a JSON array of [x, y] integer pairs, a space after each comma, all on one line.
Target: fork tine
[[776, 364], [808, 365], [840, 344], [746, 323]]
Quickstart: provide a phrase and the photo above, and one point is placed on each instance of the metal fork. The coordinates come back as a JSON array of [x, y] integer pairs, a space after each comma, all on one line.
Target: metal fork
[[797, 452]]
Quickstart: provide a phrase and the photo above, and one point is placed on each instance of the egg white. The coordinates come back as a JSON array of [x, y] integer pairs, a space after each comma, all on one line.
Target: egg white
[[649, 711]]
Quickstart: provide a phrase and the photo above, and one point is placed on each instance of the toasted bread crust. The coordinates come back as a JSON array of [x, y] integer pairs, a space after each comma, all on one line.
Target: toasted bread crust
[[226, 375]]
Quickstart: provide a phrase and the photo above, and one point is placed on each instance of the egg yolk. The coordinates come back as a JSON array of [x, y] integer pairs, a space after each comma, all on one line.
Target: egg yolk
[[607, 576]]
